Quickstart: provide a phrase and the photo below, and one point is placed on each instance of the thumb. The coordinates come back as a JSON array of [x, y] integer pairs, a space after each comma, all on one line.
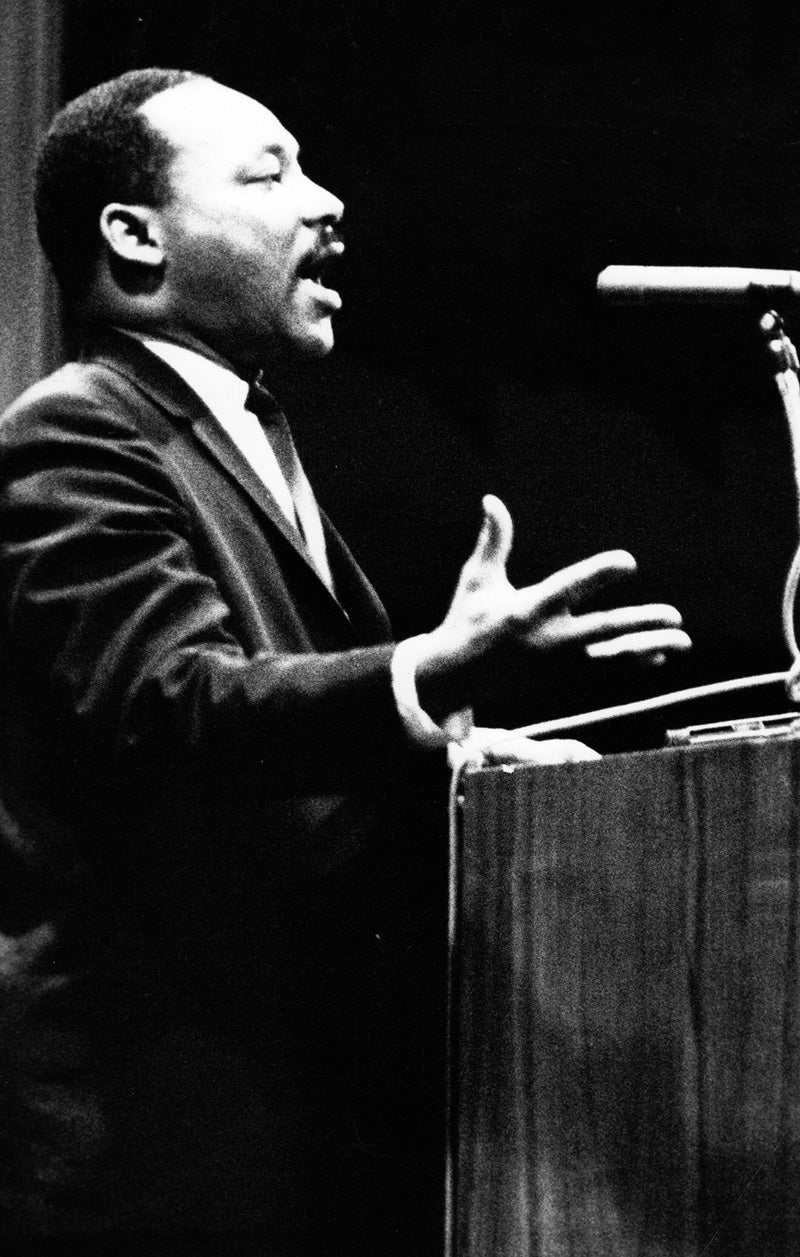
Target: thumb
[[494, 542]]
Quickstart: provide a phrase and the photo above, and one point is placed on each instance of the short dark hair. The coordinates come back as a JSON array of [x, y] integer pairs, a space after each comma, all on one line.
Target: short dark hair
[[99, 148]]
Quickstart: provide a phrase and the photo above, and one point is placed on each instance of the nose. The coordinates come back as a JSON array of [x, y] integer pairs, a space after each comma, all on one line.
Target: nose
[[320, 205]]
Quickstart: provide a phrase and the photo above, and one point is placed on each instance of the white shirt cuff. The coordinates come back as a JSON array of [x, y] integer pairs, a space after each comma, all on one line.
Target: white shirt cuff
[[419, 725]]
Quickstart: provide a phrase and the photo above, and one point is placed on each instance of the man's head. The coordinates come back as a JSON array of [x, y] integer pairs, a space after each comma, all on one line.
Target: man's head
[[99, 148], [190, 217]]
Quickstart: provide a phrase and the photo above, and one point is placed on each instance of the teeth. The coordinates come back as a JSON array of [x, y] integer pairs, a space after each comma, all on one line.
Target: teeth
[[314, 276]]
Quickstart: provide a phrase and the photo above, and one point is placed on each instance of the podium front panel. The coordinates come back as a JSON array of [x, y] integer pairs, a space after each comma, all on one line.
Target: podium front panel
[[625, 1029]]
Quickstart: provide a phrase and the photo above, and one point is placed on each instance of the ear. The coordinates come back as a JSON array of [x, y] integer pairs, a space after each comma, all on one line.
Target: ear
[[133, 233]]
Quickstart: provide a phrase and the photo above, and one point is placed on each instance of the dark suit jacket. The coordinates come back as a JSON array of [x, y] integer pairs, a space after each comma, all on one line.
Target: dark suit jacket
[[205, 843]]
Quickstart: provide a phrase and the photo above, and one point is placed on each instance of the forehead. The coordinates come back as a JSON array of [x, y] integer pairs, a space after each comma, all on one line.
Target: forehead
[[206, 121]]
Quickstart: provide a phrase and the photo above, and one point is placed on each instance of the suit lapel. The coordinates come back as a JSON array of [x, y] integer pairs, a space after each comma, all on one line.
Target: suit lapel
[[226, 452], [365, 609], [150, 375]]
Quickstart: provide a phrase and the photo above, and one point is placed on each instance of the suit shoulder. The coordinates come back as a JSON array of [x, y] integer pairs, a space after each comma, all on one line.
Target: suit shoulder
[[85, 425], [81, 397]]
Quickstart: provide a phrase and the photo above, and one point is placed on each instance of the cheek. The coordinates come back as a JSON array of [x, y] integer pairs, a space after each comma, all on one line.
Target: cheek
[[226, 267], [215, 266]]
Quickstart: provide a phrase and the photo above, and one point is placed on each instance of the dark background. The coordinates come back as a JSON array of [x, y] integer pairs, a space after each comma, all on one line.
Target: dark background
[[494, 157]]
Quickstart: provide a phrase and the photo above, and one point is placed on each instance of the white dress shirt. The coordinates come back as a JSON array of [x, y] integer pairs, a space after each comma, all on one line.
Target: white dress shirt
[[225, 394]]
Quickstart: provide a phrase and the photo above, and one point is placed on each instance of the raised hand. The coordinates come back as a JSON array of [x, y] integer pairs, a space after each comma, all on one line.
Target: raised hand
[[488, 613]]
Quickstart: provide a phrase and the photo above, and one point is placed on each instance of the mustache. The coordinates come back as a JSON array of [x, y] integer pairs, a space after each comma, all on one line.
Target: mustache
[[330, 234]]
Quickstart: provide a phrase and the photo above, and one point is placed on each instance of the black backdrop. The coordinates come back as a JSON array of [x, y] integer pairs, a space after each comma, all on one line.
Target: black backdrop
[[493, 158]]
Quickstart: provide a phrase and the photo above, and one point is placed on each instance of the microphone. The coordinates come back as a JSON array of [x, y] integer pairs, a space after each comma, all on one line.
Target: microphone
[[696, 285]]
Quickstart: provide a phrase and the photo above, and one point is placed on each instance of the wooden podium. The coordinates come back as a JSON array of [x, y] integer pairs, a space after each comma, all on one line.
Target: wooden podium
[[625, 1022]]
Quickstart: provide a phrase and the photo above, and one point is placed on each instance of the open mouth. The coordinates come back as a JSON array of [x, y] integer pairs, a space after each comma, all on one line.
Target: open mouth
[[314, 268], [313, 271], [316, 264]]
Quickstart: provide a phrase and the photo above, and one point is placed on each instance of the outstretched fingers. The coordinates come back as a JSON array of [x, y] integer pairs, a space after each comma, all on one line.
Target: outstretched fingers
[[653, 643], [494, 541], [562, 628], [573, 585], [595, 626]]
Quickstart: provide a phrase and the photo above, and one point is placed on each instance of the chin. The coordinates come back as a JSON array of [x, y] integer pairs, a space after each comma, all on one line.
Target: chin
[[315, 343], [295, 345], [319, 349]]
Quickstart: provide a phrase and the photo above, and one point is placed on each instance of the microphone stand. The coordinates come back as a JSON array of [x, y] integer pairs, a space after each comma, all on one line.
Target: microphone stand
[[787, 379], [786, 367]]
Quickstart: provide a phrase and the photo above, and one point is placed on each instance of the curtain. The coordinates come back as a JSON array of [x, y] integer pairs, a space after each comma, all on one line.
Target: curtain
[[30, 76]]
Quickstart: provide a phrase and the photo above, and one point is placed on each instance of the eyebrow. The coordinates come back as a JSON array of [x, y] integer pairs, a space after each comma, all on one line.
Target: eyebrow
[[277, 149], [290, 152]]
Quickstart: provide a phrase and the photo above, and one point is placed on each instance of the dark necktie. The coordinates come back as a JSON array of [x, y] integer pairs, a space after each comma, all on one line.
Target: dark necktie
[[262, 404]]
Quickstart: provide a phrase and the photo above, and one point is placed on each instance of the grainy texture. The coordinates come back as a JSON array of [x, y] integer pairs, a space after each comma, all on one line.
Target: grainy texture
[[625, 1033], [30, 62]]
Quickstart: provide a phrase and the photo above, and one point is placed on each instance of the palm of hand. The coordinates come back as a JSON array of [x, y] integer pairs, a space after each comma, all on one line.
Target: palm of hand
[[487, 610]]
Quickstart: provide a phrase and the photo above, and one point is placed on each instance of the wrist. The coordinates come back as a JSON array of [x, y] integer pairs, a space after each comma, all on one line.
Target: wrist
[[430, 710], [445, 681]]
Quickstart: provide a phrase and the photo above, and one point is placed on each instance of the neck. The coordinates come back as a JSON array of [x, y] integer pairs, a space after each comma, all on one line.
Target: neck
[[188, 341], [106, 307], [173, 336]]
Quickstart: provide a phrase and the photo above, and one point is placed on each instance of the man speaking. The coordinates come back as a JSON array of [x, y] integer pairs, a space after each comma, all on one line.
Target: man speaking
[[209, 739]]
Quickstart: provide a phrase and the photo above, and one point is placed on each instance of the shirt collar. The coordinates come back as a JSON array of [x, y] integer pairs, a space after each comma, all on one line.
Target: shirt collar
[[220, 388]]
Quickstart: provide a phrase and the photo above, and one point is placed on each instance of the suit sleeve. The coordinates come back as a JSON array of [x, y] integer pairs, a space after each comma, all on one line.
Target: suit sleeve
[[108, 613]]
